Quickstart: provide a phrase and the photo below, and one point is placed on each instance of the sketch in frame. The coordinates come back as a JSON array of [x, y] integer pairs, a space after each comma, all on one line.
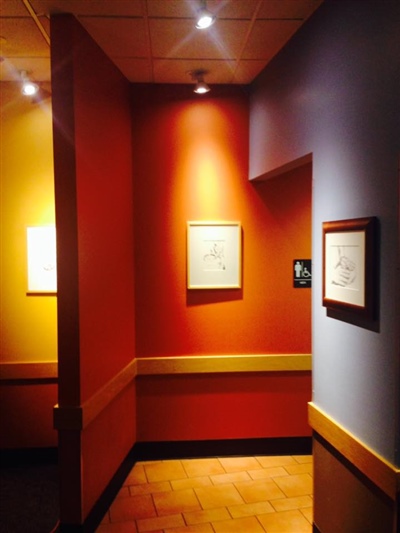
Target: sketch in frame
[[349, 265], [213, 255], [41, 260]]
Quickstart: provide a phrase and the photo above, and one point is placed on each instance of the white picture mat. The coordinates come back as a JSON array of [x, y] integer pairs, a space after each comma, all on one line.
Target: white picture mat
[[345, 251], [42, 259], [214, 255]]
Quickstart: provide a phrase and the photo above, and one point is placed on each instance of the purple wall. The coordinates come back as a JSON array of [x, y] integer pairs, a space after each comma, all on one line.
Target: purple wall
[[334, 91]]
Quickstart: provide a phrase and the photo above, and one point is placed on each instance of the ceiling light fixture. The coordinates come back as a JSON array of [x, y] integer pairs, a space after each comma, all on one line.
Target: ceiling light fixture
[[201, 86], [204, 18], [29, 88]]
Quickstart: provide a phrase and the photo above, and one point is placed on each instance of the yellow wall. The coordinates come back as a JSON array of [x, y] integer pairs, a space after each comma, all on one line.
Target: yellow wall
[[28, 323]]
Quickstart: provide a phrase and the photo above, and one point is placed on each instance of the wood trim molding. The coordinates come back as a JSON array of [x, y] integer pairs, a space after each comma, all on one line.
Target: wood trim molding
[[36, 370], [79, 417], [200, 364], [382, 473]]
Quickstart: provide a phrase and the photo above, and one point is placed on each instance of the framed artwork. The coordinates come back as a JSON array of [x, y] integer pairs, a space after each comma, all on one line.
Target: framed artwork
[[214, 255], [42, 264], [349, 265]]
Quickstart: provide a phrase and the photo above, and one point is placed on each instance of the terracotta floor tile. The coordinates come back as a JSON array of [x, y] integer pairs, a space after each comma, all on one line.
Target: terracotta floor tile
[[230, 478], [106, 518], [123, 493], [249, 524], [250, 509], [198, 528], [175, 502], [136, 476], [236, 464], [260, 494], [164, 471], [285, 522], [305, 468], [191, 483], [258, 491], [202, 467], [303, 458], [120, 527], [150, 488], [218, 496], [148, 525], [308, 513], [265, 473], [298, 485], [267, 461], [211, 515], [287, 504], [132, 508]]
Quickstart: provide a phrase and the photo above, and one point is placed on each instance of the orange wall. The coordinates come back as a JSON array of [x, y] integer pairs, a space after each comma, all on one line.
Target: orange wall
[[28, 325], [190, 163]]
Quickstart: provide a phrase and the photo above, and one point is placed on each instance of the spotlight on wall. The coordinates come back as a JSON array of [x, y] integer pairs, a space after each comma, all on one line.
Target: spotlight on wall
[[29, 88], [201, 86], [204, 18]]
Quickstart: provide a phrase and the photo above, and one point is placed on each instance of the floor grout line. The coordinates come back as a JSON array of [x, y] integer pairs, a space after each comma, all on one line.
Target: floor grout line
[[253, 499]]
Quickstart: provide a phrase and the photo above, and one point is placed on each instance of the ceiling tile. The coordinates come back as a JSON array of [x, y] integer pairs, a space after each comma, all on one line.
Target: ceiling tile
[[282, 9], [135, 70], [178, 70], [99, 8], [23, 38], [38, 67], [239, 9], [172, 8], [247, 70], [13, 8], [118, 37], [138, 34], [267, 37], [175, 39]]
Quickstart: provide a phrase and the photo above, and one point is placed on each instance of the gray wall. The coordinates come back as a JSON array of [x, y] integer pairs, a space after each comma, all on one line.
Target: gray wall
[[334, 91]]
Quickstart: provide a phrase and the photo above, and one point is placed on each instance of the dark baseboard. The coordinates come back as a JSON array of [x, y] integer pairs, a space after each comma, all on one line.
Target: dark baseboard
[[146, 451], [149, 451], [103, 503], [28, 456]]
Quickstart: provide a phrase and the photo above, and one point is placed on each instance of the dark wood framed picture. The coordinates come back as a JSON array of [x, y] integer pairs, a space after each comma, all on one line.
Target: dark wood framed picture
[[349, 265]]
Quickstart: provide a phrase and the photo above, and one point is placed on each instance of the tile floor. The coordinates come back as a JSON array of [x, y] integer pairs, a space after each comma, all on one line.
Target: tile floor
[[216, 495]]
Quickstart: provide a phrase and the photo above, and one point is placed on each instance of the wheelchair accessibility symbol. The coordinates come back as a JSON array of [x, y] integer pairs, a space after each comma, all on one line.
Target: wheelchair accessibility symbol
[[302, 273]]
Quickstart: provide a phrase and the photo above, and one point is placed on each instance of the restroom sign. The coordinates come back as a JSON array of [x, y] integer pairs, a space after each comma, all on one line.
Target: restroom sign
[[301, 273]]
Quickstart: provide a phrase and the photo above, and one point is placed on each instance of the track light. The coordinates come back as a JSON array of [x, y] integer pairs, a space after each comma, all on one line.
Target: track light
[[204, 18], [201, 86], [29, 88]]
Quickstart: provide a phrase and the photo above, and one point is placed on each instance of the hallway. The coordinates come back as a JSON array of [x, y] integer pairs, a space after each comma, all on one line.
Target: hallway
[[259, 494]]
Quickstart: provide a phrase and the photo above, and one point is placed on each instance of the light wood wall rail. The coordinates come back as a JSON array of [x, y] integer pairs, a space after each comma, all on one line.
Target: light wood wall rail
[[201, 364], [36, 370], [380, 471], [79, 417]]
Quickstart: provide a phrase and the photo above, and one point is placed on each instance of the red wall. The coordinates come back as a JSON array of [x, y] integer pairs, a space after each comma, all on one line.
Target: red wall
[[213, 407], [190, 163], [94, 218]]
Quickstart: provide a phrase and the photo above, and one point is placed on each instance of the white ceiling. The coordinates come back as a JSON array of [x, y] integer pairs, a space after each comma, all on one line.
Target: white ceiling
[[155, 41]]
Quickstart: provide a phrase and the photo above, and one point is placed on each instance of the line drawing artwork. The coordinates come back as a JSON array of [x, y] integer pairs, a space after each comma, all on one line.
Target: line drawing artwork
[[214, 257], [41, 259], [344, 272]]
